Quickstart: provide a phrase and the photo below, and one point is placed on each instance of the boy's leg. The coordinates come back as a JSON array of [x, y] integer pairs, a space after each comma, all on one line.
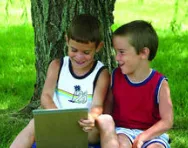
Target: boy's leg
[[161, 141], [108, 135], [25, 138], [93, 136], [124, 141], [156, 145]]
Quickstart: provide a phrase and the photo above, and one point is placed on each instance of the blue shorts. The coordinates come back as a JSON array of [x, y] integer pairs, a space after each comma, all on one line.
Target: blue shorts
[[133, 133], [89, 146]]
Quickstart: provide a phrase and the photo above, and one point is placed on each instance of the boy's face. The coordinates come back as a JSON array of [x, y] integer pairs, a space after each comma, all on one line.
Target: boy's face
[[81, 55], [126, 56]]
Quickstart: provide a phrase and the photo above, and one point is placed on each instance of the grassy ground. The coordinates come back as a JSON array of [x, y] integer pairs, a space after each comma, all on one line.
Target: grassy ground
[[17, 71]]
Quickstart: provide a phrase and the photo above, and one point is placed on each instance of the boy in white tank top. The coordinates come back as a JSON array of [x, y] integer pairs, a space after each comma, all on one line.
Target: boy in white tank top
[[75, 81]]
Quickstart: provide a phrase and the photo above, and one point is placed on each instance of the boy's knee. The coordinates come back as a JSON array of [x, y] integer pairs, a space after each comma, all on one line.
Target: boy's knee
[[31, 122], [105, 122], [105, 117], [29, 130], [124, 141]]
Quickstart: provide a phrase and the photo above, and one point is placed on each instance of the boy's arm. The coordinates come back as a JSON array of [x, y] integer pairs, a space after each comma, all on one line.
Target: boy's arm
[[100, 93], [108, 102], [50, 84], [166, 113]]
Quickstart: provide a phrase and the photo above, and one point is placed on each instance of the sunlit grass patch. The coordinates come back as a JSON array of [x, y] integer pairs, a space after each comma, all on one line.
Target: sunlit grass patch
[[160, 13], [17, 74], [14, 12]]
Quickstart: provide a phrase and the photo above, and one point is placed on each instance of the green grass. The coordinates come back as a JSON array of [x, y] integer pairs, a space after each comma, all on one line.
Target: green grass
[[179, 138], [9, 128], [171, 60], [17, 69], [17, 77], [17, 66]]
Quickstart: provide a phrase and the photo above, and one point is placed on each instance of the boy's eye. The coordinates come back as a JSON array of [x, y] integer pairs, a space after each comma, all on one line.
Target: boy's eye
[[121, 51], [86, 52], [73, 49]]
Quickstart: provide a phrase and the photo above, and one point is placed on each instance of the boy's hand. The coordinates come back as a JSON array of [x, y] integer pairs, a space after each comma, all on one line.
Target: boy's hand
[[87, 124], [138, 142]]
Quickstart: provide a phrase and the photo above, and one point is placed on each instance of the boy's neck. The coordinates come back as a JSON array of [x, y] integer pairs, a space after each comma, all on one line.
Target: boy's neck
[[139, 75], [82, 72]]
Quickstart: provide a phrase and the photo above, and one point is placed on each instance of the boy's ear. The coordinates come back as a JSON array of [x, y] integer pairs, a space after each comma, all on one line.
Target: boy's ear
[[145, 53], [66, 38], [101, 44]]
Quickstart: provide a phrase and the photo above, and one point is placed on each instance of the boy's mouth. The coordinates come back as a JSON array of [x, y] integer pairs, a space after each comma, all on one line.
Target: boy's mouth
[[79, 63], [120, 65]]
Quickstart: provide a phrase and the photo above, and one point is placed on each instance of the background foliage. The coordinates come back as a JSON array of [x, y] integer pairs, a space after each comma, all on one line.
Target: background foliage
[[17, 67]]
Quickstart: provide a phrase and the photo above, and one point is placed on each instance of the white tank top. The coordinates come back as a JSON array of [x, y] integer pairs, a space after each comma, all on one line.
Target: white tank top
[[75, 91]]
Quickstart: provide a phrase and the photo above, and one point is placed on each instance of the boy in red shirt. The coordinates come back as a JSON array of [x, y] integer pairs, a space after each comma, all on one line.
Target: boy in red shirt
[[139, 99]]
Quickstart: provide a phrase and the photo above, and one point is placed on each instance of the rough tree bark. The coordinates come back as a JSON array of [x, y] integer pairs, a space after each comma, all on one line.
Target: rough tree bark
[[50, 20]]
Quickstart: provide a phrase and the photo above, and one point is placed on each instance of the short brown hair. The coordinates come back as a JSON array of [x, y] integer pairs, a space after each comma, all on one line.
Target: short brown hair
[[85, 28], [141, 34]]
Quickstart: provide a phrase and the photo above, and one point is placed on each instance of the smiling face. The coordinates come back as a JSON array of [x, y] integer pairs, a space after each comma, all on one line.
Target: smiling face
[[126, 55], [81, 55]]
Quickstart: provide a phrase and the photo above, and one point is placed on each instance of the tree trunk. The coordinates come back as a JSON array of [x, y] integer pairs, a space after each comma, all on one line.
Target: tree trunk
[[50, 20]]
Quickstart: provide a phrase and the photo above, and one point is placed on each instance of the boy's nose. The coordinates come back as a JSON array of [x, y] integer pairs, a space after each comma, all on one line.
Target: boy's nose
[[117, 57], [80, 55]]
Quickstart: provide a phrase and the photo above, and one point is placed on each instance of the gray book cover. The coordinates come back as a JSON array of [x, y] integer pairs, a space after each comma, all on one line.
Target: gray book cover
[[59, 128]]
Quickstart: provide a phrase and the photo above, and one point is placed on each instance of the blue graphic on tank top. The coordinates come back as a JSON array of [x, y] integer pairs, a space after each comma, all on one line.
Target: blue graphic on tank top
[[79, 96]]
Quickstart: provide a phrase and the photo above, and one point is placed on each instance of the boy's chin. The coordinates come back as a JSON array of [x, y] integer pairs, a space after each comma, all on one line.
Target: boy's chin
[[123, 71]]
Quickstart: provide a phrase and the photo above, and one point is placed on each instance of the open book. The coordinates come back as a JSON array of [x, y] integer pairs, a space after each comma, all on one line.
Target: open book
[[55, 128]]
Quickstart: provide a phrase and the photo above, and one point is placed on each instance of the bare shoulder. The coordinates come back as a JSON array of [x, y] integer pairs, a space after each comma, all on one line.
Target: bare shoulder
[[52, 74], [164, 93], [104, 73], [165, 104], [104, 77], [54, 65], [165, 90], [53, 68], [101, 88]]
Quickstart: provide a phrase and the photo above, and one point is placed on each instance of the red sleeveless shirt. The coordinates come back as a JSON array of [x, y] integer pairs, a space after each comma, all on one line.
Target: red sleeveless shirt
[[136, 104]]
